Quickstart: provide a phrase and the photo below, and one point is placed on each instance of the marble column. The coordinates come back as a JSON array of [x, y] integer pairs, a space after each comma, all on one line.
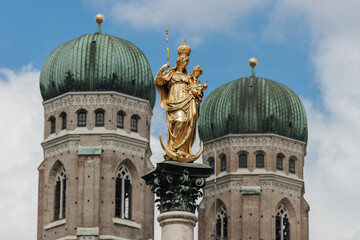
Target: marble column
[[177, 225]]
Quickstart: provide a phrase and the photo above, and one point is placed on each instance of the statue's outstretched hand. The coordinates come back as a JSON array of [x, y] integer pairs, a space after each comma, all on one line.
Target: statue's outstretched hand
[[165, 66], [159, 81]]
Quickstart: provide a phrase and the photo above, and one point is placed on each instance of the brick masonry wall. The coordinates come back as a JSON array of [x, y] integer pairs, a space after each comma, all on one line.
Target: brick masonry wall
[[90, 185], [253, 216]]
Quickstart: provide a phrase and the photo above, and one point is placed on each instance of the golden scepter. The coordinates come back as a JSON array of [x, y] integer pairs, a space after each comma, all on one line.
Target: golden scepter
[[167, 45]]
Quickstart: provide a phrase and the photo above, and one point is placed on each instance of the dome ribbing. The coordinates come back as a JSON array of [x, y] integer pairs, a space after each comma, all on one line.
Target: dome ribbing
[[97, 62], [252, 105]]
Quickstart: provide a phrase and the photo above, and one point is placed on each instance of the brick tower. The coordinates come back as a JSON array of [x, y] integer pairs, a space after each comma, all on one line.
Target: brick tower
[[98, 97], [255, 134]]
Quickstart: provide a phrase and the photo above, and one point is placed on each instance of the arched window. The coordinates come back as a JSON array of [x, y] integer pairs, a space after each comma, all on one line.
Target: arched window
[[63, 120], [260, 161], [53, 124], [221, 223], [99, 118], [81, 119], [291, 165], [242, 161], [212, 163], [134, 123], [120, 120], [223, 162], [123, 193], [282, 224], [60, 194], [279, 162]]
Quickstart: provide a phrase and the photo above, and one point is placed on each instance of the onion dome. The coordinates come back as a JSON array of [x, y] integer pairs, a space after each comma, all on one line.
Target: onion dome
[[252, 105], [97, 62]]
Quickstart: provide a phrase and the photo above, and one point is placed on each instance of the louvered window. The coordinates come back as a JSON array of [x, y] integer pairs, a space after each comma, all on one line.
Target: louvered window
[[282, 228], [221, 223], [123, 193], [60, 194]]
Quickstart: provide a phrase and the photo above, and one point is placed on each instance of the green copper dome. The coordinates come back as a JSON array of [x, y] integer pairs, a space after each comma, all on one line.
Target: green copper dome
[[252, 105], [97, 62]]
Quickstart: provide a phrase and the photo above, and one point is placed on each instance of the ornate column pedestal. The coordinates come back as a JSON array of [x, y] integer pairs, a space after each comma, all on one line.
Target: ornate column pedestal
[[177, 186], [177, 225]]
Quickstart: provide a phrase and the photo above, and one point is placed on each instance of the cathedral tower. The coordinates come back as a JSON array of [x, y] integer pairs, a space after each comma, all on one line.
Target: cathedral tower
[[98, 97], [255, 135]]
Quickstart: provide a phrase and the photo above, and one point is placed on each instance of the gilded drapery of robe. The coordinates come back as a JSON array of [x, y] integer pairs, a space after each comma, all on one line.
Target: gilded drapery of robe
[[182, 112]]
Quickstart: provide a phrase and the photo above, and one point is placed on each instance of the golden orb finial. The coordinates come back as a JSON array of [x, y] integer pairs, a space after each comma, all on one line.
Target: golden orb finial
[[99, 18], [253, 62]]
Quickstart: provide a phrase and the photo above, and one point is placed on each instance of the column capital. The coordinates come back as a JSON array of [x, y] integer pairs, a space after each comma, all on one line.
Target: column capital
[[177, 185]]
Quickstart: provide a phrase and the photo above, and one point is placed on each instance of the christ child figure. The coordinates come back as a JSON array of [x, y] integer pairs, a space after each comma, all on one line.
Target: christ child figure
[[195, 87]]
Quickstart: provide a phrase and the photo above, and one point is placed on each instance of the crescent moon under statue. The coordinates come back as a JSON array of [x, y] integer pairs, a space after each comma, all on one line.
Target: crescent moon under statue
[[172, 155]]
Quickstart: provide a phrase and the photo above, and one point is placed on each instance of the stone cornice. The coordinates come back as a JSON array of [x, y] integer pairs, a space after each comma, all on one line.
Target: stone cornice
[[281, 183], [254, 142], [95, 131], [61, 148], [222, 187], [224, 182], [123, 147], [77, 100], [232, 181], [51, 142], [281, 179], [133, 146]]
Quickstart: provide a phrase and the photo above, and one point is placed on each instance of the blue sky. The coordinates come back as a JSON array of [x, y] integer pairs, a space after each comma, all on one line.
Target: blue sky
[[313, 47], [35, 29]]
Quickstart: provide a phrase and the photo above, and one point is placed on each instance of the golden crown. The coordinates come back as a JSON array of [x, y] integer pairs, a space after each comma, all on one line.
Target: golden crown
[[184, 49]]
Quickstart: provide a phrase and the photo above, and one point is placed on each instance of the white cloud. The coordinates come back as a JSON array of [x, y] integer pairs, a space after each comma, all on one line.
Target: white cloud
[[332, 164], [324, 17], [188, 18], [331, 177], [21, 129]]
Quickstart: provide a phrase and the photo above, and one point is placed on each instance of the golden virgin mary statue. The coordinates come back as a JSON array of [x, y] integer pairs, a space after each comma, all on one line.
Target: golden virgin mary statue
[[180, 95]]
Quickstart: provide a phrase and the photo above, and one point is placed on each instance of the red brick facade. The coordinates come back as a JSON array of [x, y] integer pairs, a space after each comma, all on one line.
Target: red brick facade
[[252, 195]]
